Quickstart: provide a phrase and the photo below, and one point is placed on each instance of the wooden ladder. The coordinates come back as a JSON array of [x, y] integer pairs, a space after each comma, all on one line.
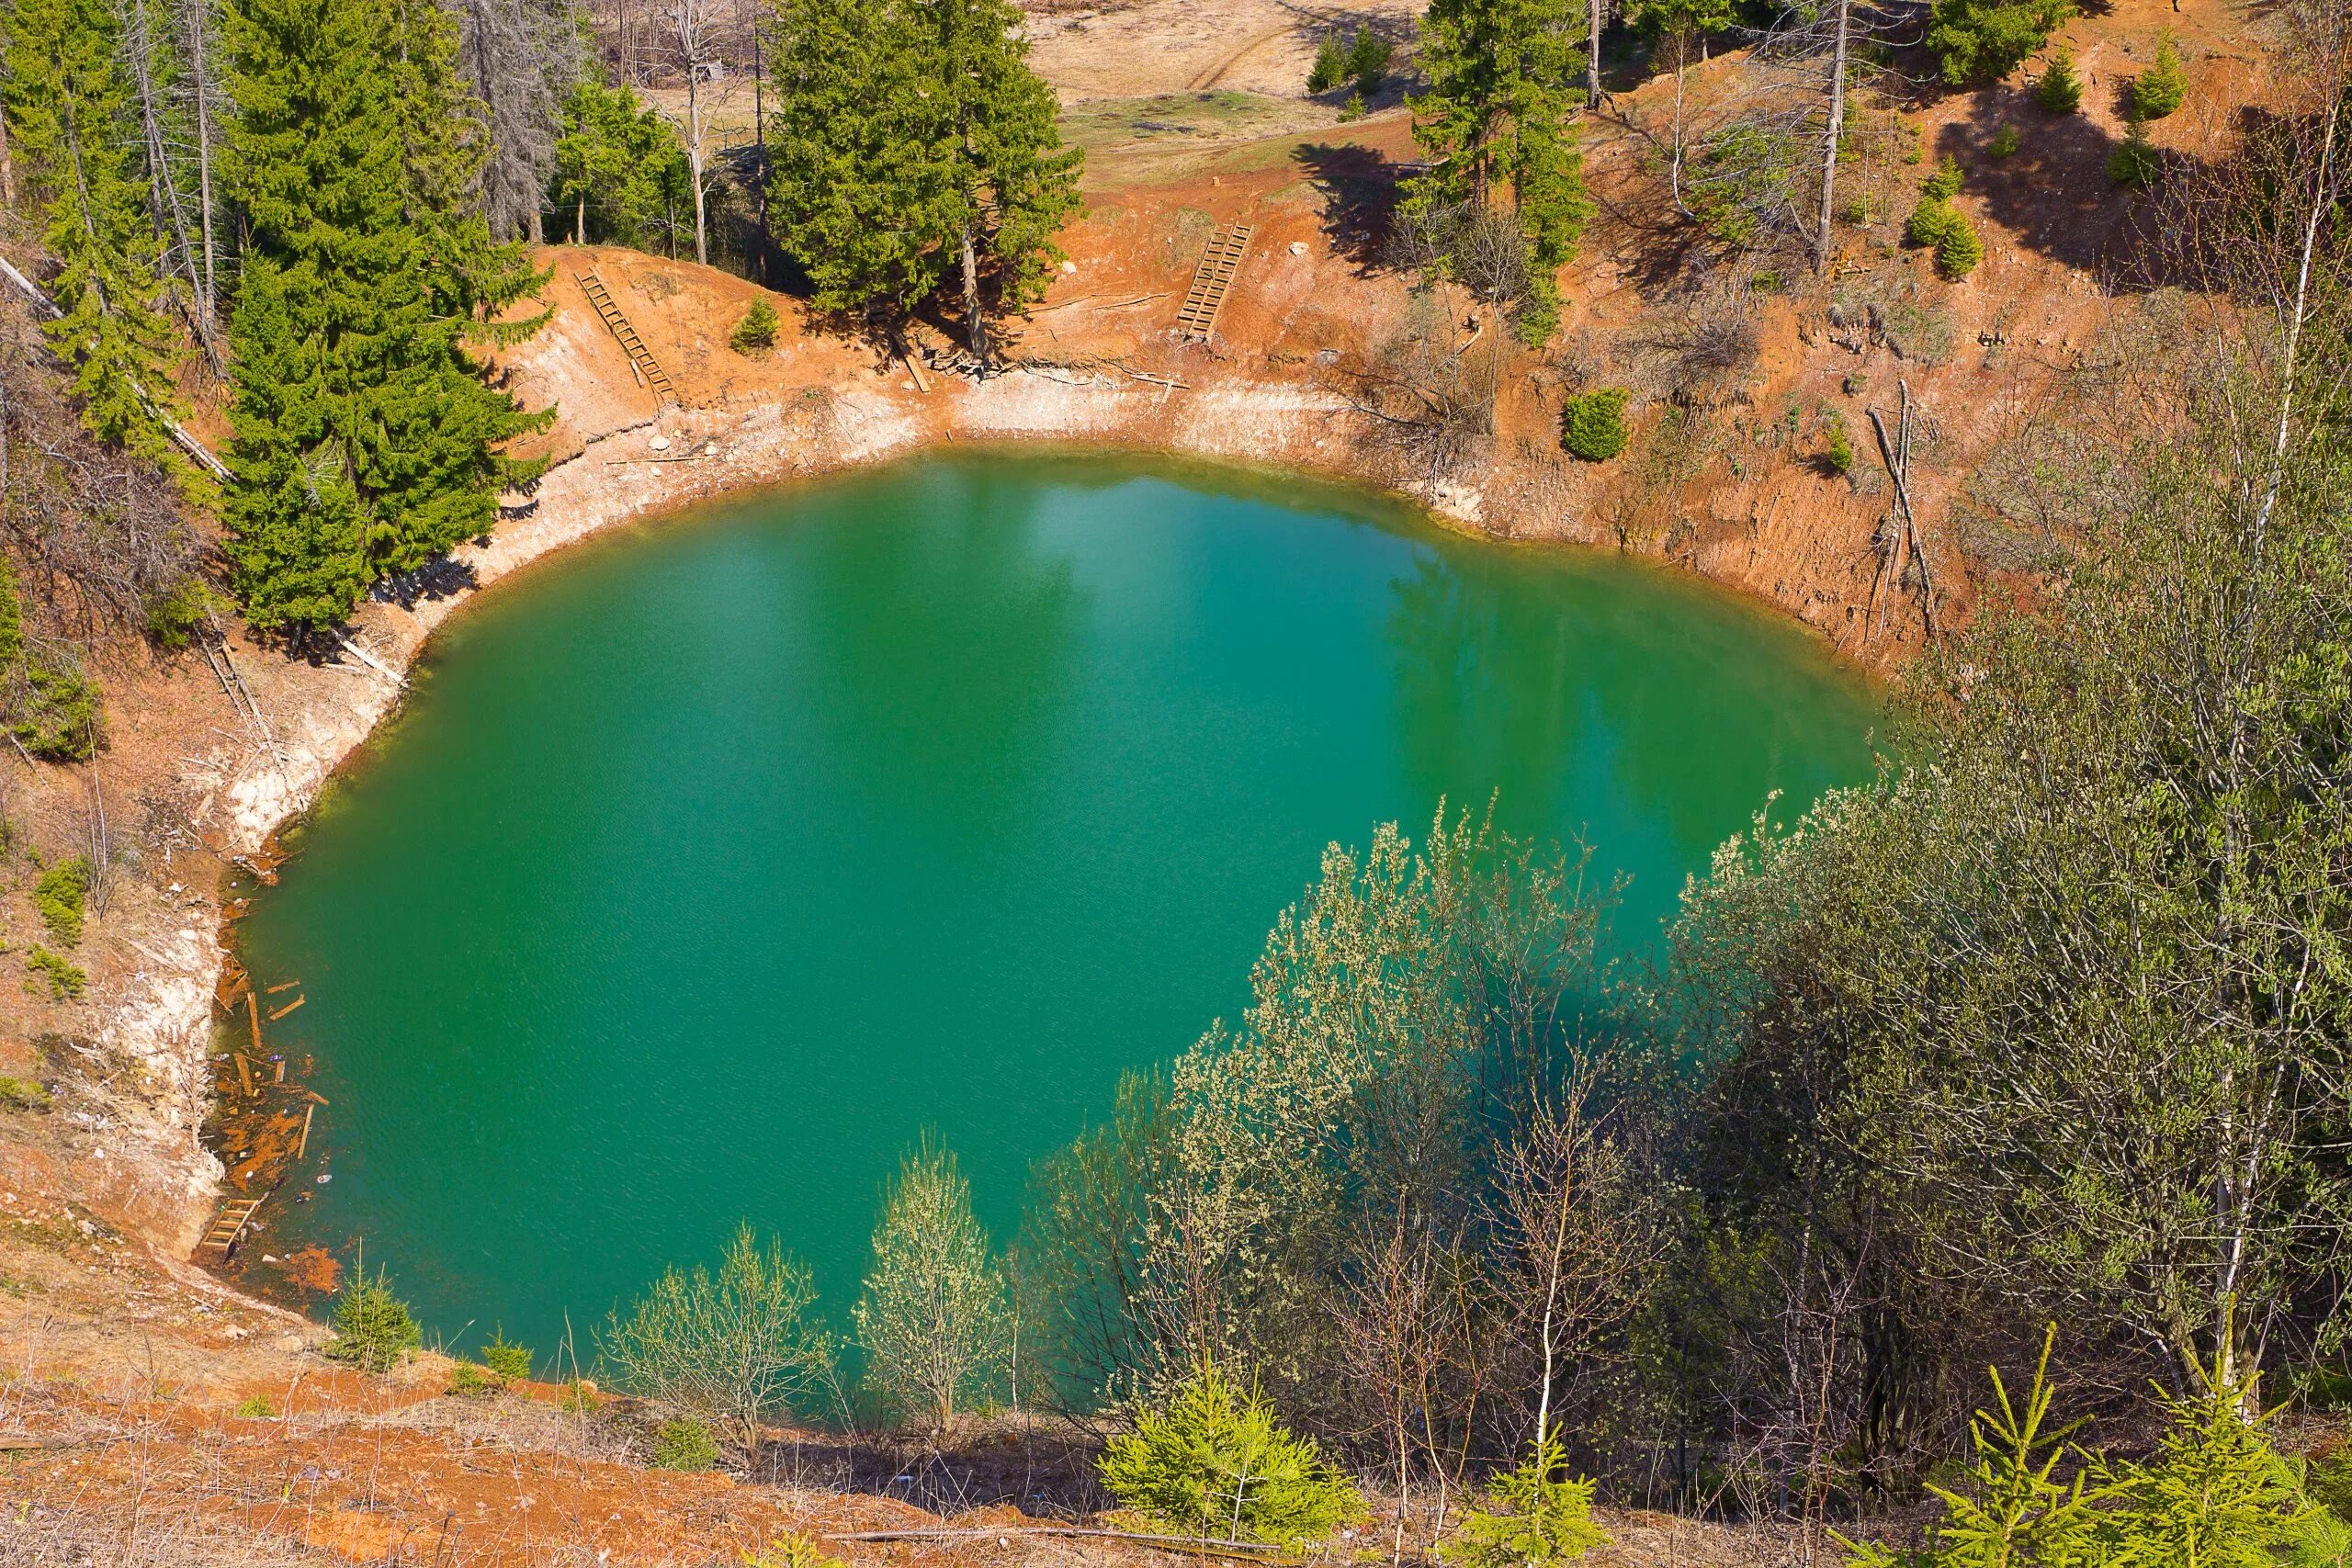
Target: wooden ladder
[[639, 354], [228, 1225], [1197, 320]]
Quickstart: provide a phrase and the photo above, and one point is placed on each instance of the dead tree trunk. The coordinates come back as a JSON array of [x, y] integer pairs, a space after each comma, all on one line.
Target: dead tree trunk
[[1836, 134]]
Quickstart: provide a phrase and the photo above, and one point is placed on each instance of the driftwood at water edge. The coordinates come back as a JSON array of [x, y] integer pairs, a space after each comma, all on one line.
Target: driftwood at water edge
[[1239, 1551]]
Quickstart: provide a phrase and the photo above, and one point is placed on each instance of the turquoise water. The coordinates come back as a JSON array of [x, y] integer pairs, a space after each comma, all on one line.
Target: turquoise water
[[714, 861]]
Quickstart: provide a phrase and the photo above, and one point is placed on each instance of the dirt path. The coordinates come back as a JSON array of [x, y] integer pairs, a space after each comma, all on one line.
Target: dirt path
[[1215, 73]]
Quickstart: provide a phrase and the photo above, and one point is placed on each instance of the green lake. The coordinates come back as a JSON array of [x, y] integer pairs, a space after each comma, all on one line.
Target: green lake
[[712, 863]]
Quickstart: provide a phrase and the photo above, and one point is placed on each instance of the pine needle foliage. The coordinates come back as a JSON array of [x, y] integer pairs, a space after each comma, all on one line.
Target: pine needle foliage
[[1984, 40], [913, 152], [69, 127], [58, 896], [1533, 1517], [373, 1327], [1495, 118], [2161, 89], [1958, 250], [2059, 91], [1215, 1461], [366, 439], [616, 162], [1592, 426]]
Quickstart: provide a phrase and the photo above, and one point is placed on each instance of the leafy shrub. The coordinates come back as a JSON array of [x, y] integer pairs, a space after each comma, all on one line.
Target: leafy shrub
[[1958, 250], [1330, 67], [373, 1327], [58, 896], [1367, 62], [65, 978], [756, 329], [1928, 221], [1769, 283], [2060, 88], [1533, 1516], [1592, 426], [23, 1094], [257, 1408], [1984, 40], [2004, 144], [684, 1443], [2158, 91], [1943, 181], [2135, 162], [1214, 1459], [512, 1362], [468, 1379]]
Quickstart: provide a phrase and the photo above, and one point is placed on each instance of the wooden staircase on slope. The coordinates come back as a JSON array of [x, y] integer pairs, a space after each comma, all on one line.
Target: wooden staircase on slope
[[228, 1225], [1197, 320], [648, 368]]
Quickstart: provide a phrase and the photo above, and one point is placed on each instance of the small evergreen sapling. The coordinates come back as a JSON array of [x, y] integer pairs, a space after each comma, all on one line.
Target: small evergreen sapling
[[1330, 67], [1592, 426], [2136, 162], [1533, 1517], [756, 329], [684, 1443], [373, 1327], [2004, 144], [1958, 250], [2060, 88], [1943, 182], [1367, 62], [510, 1362], [2158, 91], [1214, 1460], [59, 897]]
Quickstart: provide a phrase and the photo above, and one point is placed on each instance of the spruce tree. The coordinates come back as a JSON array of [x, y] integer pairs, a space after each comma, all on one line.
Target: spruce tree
[[1011, 183], [909, 139], [1494, 123], [366, 441], [69, 121]]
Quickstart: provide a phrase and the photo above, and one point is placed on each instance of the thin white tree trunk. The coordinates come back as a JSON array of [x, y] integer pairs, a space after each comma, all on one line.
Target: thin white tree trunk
[[1836, 134]]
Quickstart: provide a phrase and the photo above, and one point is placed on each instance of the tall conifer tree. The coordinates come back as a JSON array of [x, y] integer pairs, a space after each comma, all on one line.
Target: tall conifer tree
[[1502, 85], [912, 140], [366, 439], [70, 123]]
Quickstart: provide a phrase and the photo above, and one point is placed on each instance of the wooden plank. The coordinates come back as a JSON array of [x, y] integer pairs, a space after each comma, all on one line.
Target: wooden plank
[[290, 1007]]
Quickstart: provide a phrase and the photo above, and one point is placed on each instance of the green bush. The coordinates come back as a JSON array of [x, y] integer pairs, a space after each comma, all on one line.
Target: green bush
[[470, 1380], [2060, 88], [60, 716], [2136, 162], [1837, 453], [257, 1408], [23, 1094], [2158, 91], [1984, 40], [1943, 181], [1592, 426], [684, 1443], [1958, 250], [1330, 67], [2004, 144], [1533, 1515], [756, 329], [512, 1362], [373, 1327], [65, 978], [58, 896], [1928, 221], [1353, 107], [1214, 1459], [173, 614], [1367, 62], [791, 1550]]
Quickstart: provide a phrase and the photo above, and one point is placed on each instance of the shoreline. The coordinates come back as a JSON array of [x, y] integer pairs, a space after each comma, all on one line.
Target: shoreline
[[611, 482]]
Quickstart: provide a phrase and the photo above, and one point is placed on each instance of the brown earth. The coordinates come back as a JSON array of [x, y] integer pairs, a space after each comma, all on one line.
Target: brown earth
[[123, 1363]]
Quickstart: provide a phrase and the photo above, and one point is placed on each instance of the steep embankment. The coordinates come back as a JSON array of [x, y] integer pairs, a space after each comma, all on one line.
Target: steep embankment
[[1738, 375]]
